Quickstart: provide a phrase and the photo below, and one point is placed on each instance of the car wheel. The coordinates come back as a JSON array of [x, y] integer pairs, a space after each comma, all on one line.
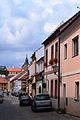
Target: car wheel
[[20, 104], [2, 101], [33, 109], [51, 109]]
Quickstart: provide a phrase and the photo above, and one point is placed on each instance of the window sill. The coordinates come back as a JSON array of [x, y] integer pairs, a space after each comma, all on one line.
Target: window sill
[[74, 56], [65, 58]]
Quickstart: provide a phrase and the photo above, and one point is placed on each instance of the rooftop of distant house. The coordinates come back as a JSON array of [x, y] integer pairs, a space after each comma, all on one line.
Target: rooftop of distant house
[[3, 80], [14, 69]]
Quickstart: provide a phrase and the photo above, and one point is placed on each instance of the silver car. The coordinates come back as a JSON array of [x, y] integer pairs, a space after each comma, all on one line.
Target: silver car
[[41, 101]]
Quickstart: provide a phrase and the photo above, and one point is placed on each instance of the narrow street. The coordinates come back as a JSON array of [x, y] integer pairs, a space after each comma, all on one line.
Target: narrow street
[[10, 110]]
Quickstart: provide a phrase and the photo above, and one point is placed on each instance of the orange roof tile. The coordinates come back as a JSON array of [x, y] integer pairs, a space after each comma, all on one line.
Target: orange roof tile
[[3, 80], [14, 69]]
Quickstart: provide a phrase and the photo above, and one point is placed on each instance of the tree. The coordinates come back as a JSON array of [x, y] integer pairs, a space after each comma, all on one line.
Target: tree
[[3, 70]]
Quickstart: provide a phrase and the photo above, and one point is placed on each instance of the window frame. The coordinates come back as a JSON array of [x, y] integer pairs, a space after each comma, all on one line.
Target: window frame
[[46, 57], [77, 90], [52, 52], [56, 50], [75, 46], [65, 51]]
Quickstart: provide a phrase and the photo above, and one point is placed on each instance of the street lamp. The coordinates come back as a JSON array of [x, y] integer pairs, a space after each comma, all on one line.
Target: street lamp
[[55, 68]]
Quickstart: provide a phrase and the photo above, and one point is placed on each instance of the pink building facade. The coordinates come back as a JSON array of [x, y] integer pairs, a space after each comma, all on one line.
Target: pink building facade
[[69, 35], [70, 67]]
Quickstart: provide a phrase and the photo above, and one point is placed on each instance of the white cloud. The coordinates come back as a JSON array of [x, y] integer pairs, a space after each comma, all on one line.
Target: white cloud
[[46, 6], [18, 2], [43, 3], [20, 54], [23, 22], [48, 27], [21, 28], [73, 1], [5, 9], [33, 16], [20, 22], [7, 37]]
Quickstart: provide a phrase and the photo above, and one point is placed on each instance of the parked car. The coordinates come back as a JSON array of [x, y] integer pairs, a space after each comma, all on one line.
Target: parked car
[[14, 94], [1, 97], [41, 101], [25, 100], [1, 93], [21, 94]]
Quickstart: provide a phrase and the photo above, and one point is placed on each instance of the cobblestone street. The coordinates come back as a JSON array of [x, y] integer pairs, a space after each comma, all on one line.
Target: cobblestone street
[[10, 110]]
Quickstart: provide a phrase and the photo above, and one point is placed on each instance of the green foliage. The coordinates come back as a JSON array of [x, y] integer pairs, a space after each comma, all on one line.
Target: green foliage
[[61, 110], [3, 70]]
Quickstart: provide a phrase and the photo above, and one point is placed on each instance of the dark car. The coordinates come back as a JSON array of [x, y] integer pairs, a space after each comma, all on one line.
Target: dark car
[[22, 94], [41, 101], [1, 97], [14, 94], [25, 100]]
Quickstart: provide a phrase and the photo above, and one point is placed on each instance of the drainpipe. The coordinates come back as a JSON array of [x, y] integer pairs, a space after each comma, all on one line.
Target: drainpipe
[[59, 73]]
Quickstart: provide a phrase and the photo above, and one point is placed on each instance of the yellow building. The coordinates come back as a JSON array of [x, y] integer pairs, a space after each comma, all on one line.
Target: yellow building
[[3, 83]]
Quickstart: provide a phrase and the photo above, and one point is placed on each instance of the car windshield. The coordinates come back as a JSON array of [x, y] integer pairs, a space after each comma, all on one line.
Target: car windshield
[[24, 97], [42, 97]]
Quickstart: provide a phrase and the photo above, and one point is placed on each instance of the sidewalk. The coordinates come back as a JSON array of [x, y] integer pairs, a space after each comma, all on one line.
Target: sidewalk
[[66, 116]]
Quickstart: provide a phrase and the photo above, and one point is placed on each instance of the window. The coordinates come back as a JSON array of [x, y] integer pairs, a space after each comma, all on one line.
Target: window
[[65, 51], [56, 50], [64, 90], [42, 97], [77, 91], [51, 88], [38, 67], [46, 57], [52, 51], [75, 46], [56, 87]]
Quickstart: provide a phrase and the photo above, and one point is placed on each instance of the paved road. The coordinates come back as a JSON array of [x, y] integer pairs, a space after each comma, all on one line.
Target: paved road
[[10, 110]]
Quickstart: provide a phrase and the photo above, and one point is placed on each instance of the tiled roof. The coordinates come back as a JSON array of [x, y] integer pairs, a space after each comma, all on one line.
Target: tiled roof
[[14, 69], [3, 80]]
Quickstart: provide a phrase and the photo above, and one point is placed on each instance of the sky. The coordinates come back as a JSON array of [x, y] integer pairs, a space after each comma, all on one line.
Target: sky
[[25, 24]]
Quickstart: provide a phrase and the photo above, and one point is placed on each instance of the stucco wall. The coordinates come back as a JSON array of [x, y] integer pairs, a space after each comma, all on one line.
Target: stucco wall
[[70, 68]]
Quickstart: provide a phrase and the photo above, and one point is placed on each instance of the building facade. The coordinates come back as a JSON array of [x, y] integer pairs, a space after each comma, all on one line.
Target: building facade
[[39, 69], [33, 74], [3, 84], [62, 49], [13, 71], [70, 67]]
